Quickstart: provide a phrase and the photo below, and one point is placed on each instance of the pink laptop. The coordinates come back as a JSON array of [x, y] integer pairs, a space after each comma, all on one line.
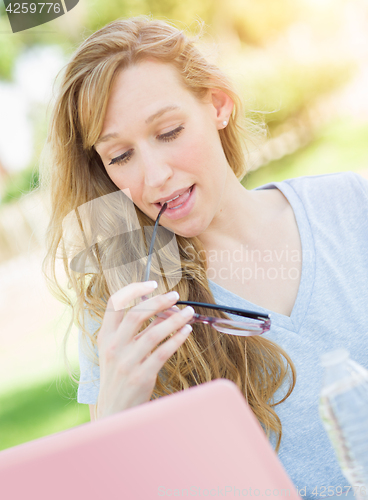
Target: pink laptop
[[204, 441]]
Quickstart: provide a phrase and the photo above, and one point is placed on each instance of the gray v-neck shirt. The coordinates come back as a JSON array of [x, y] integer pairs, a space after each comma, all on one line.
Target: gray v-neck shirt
[[330, 311]]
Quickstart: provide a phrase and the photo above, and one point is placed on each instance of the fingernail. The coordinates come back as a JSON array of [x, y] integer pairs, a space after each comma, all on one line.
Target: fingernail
[[150, 284], [187, 311], [172, 295], [186, 330]]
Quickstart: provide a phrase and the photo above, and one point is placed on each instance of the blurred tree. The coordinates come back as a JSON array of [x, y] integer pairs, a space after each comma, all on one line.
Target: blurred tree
[[174, 10], [255, 22], [284, 89]]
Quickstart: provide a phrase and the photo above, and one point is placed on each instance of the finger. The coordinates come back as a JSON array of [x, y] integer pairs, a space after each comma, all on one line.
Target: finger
[[123, 297], [158, 358], [156, 321], [137, 315], [117, 303], [149, 341], [169, 312]]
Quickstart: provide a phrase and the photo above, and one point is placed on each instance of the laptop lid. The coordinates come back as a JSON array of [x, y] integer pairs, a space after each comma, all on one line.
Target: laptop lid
[[204, 441]]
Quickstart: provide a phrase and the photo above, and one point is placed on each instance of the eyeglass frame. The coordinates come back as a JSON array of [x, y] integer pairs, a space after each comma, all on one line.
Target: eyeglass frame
[[265, 318]]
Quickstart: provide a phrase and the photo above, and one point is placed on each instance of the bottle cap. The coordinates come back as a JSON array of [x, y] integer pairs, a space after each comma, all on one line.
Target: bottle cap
[[334, 357]]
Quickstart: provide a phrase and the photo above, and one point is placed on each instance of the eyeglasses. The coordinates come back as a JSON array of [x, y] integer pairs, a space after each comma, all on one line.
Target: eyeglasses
[[256, 323]]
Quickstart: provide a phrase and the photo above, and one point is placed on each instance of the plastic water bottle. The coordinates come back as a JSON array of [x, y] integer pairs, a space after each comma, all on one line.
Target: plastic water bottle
[[343, 408]]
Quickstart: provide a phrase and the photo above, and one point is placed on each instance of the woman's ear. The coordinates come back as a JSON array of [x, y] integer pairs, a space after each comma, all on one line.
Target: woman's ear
[[223, 105]]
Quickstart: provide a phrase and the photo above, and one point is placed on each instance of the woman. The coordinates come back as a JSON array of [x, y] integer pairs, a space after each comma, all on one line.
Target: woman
[[141, 111]]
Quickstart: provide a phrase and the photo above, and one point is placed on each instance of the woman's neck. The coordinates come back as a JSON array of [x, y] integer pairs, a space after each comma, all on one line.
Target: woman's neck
[[244, 217]]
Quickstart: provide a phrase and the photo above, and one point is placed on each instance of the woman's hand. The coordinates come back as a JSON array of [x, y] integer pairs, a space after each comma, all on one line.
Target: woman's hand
[[128, 368]]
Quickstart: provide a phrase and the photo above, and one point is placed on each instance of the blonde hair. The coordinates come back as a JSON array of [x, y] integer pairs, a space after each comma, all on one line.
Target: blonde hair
[[74, 174]]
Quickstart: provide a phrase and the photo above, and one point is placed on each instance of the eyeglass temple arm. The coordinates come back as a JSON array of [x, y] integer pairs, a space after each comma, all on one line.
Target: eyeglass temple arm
[[148, 267], [231, 310]]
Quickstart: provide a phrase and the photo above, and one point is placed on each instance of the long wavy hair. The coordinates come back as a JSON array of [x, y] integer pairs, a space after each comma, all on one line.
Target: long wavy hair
[[73, 174]]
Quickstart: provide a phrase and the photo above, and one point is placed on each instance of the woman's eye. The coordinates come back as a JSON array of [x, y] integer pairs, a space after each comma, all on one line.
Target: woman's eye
[[121, 159], [171, 135]]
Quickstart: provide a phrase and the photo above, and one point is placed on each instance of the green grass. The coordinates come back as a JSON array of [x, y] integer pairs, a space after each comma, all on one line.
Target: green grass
[[337, 147], [35, 412]]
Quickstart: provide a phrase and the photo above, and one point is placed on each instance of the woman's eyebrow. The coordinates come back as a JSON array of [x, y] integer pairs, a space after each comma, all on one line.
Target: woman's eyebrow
[[161, 112], [150, 119]]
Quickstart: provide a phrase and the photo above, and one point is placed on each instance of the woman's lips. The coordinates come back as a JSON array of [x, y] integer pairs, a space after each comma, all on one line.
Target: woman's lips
[[184, 205], [178, 201]]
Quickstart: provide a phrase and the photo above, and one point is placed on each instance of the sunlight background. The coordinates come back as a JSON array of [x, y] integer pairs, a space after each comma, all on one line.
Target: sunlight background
[[301, 66]]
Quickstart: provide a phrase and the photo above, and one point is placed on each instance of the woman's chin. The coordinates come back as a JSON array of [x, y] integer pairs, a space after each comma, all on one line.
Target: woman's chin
[[189, 232]]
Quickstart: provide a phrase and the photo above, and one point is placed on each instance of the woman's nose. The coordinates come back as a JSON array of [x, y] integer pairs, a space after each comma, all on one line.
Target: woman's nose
[[156, 170]]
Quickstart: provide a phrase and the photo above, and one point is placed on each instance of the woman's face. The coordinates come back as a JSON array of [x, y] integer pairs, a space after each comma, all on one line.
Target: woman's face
[[159, 140]]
